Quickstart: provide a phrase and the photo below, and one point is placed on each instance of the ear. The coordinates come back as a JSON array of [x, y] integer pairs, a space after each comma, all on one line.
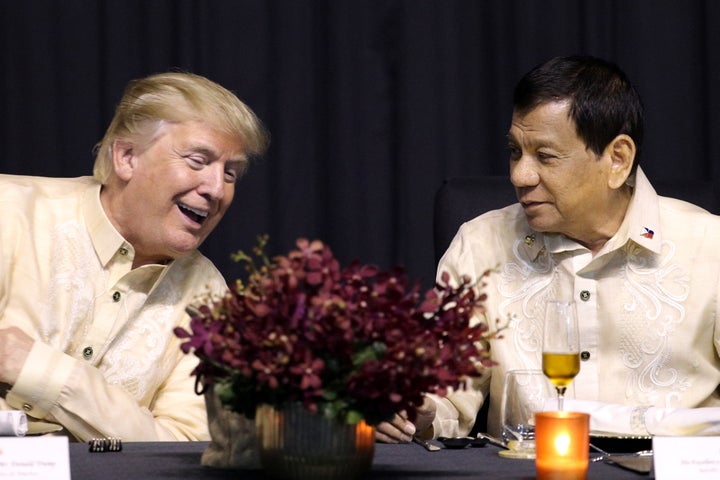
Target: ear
[[123, 159], [621, 151]]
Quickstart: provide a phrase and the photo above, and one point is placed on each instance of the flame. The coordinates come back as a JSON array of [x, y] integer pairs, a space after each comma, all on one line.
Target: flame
[[562, 443]]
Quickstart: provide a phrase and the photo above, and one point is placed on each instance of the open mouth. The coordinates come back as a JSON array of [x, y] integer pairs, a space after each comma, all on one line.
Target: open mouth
[[197, 216]]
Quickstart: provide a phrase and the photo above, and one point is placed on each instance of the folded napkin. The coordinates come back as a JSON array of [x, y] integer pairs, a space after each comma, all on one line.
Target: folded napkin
[[683, 421], [13, 423], [616, 419]]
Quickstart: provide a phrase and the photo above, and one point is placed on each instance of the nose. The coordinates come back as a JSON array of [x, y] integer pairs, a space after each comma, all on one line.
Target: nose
[[213, 184], [523, 172]]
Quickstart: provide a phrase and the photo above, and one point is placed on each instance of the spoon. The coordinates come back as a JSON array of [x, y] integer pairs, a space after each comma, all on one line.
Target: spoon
[[604, 454], [462, 442], [493, 441], [425, 444]]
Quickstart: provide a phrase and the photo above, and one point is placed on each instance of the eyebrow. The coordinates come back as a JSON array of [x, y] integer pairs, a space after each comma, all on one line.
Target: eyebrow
[[214, 154], [203, 149], [536, 143]]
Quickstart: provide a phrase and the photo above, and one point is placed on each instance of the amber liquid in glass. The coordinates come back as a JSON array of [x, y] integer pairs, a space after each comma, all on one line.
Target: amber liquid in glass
[[560, 368]]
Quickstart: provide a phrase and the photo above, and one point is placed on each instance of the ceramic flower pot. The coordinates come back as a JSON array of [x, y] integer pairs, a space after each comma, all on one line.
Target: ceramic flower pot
[[296, 444]]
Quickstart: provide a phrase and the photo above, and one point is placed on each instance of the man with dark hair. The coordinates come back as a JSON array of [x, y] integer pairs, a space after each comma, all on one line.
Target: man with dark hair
[[644, 270]]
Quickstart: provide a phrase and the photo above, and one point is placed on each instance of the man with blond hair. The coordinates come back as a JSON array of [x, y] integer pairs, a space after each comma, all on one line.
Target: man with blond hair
[[96, 272]]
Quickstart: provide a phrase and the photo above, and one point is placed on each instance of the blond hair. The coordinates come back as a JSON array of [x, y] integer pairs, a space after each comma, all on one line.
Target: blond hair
[[177, 97]]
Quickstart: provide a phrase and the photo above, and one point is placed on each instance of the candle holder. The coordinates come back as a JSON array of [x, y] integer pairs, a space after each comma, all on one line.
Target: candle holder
[[562, 441]]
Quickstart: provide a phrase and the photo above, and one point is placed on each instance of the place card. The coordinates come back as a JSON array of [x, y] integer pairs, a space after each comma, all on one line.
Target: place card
[[686, 457], [46, 458]]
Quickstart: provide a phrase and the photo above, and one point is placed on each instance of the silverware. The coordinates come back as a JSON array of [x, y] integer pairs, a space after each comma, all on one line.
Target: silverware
[[639, 462], [611, 456], [603, 454], [493, 441], [462, 442], [427, 445]]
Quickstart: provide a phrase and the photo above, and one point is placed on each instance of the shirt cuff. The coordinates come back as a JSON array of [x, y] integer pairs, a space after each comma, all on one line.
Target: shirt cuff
[[41, 380]]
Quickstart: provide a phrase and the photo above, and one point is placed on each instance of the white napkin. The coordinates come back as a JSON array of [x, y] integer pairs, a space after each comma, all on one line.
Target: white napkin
[[619, 419], [13, 423], [683, 421]]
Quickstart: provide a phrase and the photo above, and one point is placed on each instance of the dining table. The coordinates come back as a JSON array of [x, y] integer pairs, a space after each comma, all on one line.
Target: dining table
[[181, 460]]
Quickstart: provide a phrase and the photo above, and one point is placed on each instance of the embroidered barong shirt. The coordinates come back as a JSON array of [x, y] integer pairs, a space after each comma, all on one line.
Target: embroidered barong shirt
[[105, 362], [647, 306]]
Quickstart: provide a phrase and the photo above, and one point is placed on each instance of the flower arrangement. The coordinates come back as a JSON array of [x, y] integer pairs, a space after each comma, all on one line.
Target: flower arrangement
[[353, 343]]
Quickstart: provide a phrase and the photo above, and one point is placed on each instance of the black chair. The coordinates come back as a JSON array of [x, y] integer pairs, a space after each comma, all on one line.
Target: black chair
[[700, 192], [457, 201], [461, 199]]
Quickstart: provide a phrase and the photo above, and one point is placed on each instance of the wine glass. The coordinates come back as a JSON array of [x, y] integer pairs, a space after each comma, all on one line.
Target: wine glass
[[561, 346], [524, 394]]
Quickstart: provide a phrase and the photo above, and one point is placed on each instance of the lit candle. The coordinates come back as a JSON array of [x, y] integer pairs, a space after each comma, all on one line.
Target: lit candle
[[561, 445]]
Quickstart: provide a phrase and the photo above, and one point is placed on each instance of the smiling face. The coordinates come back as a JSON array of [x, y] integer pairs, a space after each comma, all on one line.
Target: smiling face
[[562, 185], [165, 199]]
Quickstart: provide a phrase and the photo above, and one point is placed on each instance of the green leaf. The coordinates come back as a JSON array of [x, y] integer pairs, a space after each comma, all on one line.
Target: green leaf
[[371, 352], [353, 417]]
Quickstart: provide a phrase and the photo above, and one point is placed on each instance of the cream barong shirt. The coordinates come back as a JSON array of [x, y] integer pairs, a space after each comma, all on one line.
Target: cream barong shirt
[[105, 362], [647, 306]]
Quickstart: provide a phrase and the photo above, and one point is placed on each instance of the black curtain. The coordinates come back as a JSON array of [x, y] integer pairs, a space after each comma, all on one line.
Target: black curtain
[[371, 103]]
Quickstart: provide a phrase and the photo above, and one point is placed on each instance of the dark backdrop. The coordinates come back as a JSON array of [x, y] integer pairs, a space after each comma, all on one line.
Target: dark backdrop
[[371, 104]]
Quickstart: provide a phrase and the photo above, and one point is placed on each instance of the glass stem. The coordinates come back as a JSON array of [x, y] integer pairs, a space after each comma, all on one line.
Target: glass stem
[[561, 397]]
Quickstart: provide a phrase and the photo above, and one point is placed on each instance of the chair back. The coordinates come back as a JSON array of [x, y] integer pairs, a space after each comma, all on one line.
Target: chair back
[[699, 192], [460, 199]]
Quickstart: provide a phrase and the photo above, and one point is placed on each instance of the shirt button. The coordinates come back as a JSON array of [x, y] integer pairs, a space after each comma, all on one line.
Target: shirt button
[[584, 295], [123, 251], [116, 296], [584, 355], [27, 407], [87, 353]]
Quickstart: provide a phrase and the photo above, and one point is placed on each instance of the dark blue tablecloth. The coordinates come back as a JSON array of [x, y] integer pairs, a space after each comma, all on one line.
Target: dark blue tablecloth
[[181, 460]]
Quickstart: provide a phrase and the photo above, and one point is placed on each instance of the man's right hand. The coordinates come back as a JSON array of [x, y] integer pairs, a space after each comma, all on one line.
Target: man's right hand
[[400, 429]]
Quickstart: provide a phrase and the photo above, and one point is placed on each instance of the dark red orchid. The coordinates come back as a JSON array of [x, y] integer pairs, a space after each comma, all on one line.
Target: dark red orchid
[[353, 343]]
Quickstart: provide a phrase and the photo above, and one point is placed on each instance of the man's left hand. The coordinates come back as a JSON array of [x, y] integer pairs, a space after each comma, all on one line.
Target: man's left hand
[[15, 346]]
